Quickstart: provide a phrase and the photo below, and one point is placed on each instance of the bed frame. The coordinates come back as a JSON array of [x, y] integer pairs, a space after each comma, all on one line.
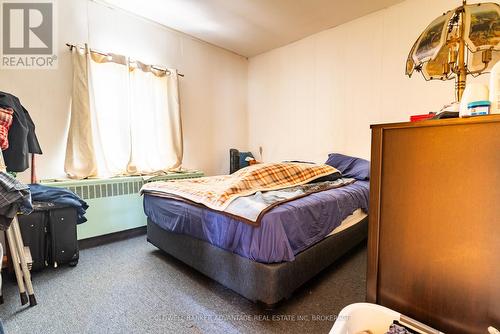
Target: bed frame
[[259, 282]]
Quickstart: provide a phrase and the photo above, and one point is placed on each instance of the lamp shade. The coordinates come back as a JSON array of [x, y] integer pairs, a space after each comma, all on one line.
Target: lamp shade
[[473, 30]]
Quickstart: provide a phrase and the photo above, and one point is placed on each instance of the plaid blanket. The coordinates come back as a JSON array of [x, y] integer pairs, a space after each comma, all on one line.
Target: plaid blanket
[[14, 197], [217, 192]]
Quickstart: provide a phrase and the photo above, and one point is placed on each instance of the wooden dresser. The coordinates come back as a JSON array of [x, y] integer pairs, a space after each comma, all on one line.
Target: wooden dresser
[[434, 234]]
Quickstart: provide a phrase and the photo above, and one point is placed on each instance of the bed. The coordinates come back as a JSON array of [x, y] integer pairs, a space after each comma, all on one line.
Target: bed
[[294, 241]]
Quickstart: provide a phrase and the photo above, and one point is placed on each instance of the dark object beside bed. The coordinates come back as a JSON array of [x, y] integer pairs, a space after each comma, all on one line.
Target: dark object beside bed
[[259, 282], [237, 160]]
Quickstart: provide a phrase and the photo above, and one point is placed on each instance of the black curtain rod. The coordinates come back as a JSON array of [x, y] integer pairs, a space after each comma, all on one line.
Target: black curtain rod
[[71, 46]]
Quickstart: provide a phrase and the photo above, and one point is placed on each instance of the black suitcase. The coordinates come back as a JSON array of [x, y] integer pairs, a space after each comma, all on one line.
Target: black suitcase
[[50, 232], [34, 229], [62, 236]]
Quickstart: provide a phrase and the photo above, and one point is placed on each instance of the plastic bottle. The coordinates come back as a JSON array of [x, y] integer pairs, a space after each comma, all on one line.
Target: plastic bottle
[[473, 92], [495, 89]]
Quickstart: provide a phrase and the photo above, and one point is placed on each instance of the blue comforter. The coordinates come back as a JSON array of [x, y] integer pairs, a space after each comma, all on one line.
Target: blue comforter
[[285, 230]]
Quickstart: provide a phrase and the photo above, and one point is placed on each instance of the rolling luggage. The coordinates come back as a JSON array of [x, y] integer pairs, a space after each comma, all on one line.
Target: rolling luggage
[[33, 230], [50, 232], [62, 236]]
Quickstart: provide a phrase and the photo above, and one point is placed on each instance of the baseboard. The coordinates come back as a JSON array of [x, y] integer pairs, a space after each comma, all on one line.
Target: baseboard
[[111, 237]]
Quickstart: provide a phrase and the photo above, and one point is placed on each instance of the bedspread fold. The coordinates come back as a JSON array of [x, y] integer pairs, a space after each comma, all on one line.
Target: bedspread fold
[[218, 192]]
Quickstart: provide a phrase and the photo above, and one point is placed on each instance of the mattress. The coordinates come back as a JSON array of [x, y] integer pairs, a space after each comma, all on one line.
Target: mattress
[[350, 220], [285, 231]]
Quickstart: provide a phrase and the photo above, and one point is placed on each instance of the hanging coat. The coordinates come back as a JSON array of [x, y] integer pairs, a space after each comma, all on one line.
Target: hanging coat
[[22, 137]]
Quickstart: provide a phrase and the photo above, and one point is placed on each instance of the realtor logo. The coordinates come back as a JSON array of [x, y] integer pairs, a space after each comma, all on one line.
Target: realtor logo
[[28, 34]]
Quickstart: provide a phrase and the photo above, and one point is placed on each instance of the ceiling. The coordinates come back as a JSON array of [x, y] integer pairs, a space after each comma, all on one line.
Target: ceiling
[[251, 27]]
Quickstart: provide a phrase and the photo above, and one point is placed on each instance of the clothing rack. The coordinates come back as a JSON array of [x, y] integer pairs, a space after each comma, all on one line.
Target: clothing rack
[[71, 46], [18, 256]]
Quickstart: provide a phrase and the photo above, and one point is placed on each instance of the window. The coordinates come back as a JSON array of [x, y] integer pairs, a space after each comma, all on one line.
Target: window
[[125, 117]]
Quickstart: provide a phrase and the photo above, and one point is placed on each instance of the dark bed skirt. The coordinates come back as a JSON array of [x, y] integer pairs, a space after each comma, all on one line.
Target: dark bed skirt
[[258, 282]]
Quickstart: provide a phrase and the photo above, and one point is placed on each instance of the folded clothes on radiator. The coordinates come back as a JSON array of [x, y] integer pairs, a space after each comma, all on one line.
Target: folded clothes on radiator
[[41, 193]]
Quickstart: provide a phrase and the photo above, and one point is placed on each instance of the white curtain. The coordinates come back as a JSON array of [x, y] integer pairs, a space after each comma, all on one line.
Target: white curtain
[[80, 159], [110, 117], [132, 116], [155, 122]]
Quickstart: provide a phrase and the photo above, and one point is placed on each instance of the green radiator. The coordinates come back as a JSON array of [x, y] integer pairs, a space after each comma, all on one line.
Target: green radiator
[[114, 204]]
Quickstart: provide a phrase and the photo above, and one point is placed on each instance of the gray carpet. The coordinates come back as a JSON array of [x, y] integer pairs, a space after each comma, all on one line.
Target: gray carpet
[[130, 287]]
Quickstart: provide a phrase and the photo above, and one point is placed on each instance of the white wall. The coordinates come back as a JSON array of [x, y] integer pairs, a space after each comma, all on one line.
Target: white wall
[[309, 98], [213, 91], [320, 94]]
